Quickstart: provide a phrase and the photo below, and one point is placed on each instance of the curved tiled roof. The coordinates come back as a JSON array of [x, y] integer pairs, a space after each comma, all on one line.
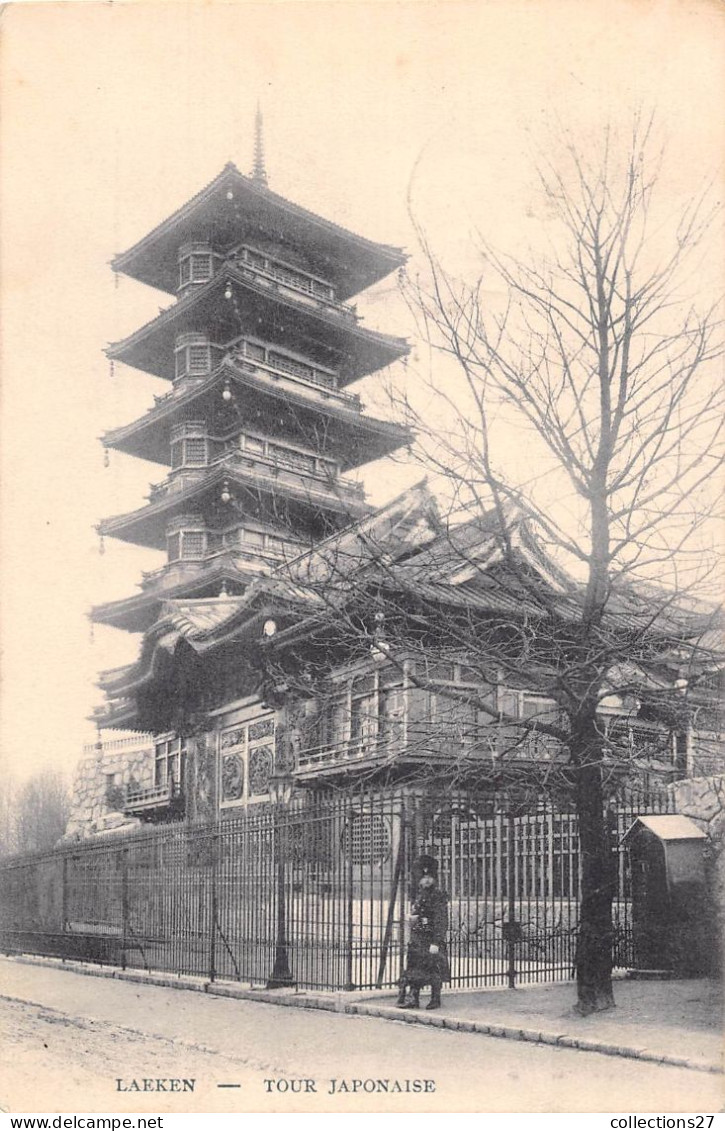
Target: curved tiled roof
[[353, 261]]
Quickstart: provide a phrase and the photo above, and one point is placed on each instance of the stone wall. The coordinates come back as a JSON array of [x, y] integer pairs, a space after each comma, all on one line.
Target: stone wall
[[703, 800], [707, 756], [100, 782]]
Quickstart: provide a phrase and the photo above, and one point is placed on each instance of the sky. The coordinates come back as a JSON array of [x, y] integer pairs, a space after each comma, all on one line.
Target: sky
[[112, 115]]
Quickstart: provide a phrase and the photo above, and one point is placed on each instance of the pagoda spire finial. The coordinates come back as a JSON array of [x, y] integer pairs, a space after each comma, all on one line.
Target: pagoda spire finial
[[259, 172]]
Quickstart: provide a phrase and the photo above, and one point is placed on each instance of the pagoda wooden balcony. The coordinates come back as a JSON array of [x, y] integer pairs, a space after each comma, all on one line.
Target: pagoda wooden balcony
[[254, 476], [287, 318], [245, 561], [317, 383], [319, 387], [156, 801], [275, 470], [352, 437], [279, 281], [430, 743]]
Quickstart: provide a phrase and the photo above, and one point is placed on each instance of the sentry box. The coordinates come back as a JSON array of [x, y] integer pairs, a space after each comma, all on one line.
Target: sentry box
[[672, 917]]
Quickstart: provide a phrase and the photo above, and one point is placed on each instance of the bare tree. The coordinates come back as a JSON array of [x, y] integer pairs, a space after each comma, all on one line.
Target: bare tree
[[41, 810], [8, 832], [595, 358], [598, 358]]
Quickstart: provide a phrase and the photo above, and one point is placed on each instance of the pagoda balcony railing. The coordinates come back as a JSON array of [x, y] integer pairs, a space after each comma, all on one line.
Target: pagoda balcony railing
[[147, 799], [177, 482], [272, 374], [317, 384], [278, 280], [434, 742], [273, 469], [171, 574], [451, 741], [140, 741], [277, 469]]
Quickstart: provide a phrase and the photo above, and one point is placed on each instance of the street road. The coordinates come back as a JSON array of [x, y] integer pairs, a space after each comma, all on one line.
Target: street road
[[72, 1038]]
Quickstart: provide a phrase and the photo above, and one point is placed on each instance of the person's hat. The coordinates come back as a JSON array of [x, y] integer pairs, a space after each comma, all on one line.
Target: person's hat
[[428, 866]]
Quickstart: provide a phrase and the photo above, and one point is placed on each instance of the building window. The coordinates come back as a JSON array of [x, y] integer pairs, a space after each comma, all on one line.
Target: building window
[[193, 451], [360, 716], [247, 760], [192, 354], [193, 544], [196, 264], [196, 451], [363, 711], [170, 764], [186, 545]]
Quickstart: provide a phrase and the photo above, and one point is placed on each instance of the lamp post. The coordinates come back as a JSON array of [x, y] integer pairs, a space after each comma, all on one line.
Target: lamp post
[[280, 789]]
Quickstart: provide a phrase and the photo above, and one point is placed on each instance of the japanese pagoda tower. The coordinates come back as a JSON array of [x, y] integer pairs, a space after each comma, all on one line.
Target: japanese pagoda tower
[[259, 427]]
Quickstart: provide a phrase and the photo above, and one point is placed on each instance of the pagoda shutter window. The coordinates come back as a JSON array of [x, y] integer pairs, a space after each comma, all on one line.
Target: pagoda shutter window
[[332, 723], [181, 362], [195, 451], [201, 268], [194, 544], [538, 707], [440, 670], [199, 359], [252, 538], [184, 272], [177, 455], [174, 547]]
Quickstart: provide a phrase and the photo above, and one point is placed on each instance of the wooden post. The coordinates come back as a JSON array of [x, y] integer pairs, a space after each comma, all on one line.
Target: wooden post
[[214, 910], [124, 905], [391, 904], [511, 893]]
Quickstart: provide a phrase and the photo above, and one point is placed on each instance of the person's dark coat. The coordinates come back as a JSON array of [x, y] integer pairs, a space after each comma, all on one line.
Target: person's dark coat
[[430, 926]]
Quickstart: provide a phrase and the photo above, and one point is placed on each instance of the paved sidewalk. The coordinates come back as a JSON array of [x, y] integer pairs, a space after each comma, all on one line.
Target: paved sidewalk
[[671, 1021], [677, 1022]]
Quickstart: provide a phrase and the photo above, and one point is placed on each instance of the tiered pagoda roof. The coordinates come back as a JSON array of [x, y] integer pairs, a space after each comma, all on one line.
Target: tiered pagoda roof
[[327, 335], [233, 208], [272, 398], [257, 432]]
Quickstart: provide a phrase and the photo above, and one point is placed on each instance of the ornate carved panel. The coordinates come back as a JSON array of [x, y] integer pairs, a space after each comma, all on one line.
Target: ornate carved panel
[[232, 777], [260, 768]]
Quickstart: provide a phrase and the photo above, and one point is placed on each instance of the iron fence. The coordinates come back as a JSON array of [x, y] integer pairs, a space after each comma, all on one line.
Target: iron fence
[[323, 887]]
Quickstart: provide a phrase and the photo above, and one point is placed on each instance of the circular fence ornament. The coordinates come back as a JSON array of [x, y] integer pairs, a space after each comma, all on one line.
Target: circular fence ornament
[[366, 838]]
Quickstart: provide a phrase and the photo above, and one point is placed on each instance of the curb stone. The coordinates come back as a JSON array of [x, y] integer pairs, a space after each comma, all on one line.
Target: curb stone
[[335, 1003]]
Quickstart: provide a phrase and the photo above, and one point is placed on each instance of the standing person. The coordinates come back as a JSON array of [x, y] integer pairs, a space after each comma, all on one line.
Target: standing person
[[427, 956]]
